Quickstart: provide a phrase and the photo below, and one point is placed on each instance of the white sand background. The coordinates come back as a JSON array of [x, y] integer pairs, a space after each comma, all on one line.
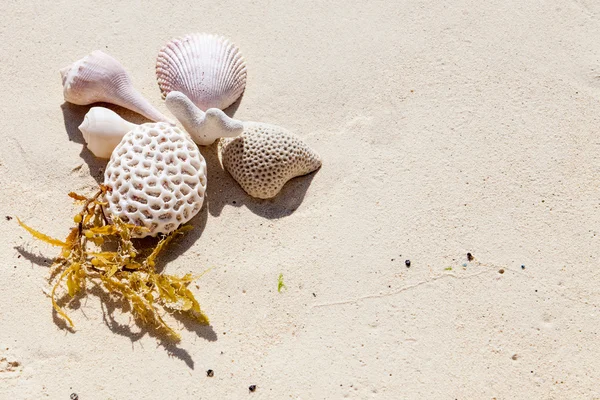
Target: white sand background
[[446, 127]]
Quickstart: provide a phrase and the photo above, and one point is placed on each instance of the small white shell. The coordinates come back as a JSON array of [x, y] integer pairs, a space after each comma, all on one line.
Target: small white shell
[[203, 127], [157, 178], [98, 77], [264, 157], [102, 130], [208, 69]]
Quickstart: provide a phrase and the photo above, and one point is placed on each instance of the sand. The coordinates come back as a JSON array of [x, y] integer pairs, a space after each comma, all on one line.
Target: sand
[[445, 128]]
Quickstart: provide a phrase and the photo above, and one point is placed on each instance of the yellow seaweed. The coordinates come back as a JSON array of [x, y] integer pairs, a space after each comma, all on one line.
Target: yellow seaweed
[[41, 236], [122, 272], [76, 196]]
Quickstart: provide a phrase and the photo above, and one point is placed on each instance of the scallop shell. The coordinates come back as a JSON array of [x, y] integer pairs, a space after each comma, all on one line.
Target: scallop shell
[[99, 77], [103, 130], [208, 69]]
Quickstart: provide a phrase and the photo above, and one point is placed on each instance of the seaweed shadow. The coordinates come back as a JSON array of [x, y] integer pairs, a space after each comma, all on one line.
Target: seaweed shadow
[[110, 304], [224, 190], [37, 259]]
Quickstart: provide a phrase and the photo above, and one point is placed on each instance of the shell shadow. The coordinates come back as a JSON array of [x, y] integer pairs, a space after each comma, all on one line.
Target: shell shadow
[[223, 190], [232, 109], [181, 244], [73, 116]]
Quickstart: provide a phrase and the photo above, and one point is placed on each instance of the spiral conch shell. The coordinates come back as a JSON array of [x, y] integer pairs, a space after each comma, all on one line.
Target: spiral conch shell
[[208, 69], [264, 157], [203, 127], [99, 77], [102, 130]]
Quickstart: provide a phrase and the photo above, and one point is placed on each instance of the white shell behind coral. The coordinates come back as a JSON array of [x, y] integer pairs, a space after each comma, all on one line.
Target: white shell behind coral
[[98, 77], [208, 69], [103, 130]]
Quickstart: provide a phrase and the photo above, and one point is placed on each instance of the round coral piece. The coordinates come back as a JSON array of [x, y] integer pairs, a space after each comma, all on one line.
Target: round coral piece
[[157, 178]]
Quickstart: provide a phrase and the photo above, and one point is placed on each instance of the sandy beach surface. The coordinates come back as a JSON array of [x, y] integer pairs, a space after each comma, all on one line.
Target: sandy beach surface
[[446, 127]]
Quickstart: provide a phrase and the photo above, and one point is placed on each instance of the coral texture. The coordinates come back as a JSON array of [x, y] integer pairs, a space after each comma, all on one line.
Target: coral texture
[[157, 177], [264, 157]]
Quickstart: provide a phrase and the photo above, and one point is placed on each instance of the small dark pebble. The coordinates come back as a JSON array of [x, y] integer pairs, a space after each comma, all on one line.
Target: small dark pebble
[[469, 256], [252, 388], [74, 396], [210, 373], [8, 217], [233, 202], [392, 259], [19, 256], [522, 267], [314, 295], [407, 263], [501, 271]]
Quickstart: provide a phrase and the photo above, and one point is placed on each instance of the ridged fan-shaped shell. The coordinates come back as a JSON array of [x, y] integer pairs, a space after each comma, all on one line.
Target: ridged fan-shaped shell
[[208, 69]]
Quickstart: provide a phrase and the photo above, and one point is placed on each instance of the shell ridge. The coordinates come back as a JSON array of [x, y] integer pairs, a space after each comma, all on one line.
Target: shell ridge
[[222, 72], [187, 71]]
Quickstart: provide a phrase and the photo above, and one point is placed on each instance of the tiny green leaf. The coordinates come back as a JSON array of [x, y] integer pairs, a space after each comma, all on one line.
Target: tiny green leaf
[[280, 284]]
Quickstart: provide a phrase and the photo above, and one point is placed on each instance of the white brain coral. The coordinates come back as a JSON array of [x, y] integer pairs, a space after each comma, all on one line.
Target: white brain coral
[[157, 177], [264, 157]]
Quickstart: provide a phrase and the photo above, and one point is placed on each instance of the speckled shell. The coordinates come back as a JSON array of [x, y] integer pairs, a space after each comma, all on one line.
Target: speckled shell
[[208, 69], [99, 77]]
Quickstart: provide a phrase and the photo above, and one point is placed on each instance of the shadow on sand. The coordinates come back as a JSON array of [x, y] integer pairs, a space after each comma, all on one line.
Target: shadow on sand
[[222, 190]]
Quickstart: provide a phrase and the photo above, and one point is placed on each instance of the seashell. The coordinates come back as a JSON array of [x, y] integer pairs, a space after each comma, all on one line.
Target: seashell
[[203, 127], [264, 157], [102, 130], [98, 77], [208, 69], [157, 178]]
